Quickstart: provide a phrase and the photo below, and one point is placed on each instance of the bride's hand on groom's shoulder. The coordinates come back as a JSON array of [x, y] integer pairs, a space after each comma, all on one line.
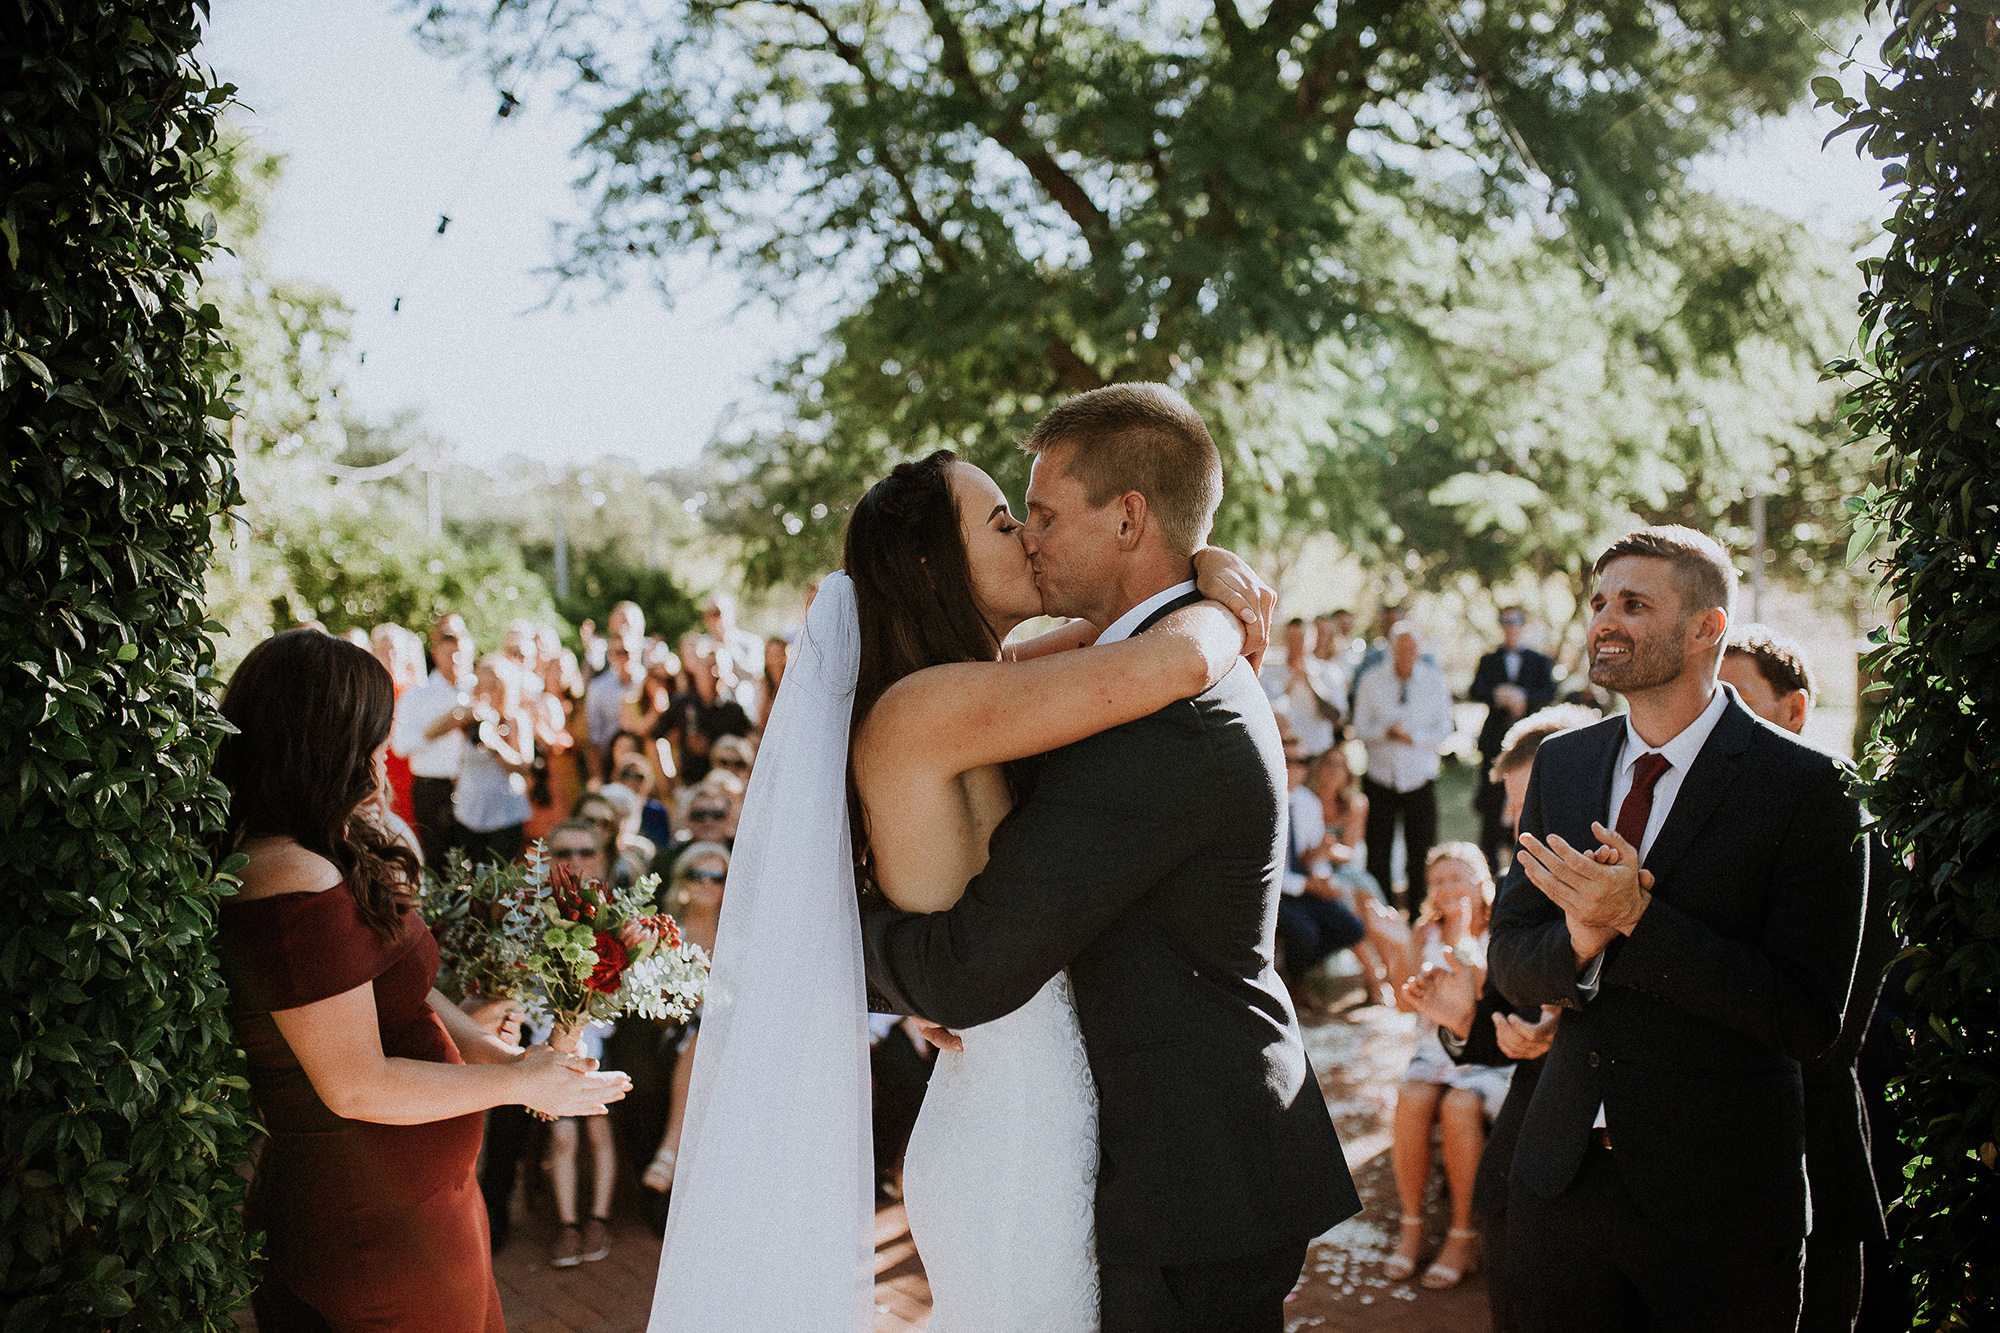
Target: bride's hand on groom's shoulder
[[942, 1038], [1225, 577]]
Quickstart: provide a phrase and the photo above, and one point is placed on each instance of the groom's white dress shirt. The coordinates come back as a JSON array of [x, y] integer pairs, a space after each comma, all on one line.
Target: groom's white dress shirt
[[1121, 628]]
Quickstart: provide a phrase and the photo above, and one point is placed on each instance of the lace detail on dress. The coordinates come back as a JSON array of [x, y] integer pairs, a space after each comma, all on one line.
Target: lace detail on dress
[[1000, 1181]]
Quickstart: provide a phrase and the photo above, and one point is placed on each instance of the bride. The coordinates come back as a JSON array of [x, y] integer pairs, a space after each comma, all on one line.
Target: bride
[[771, 1226]]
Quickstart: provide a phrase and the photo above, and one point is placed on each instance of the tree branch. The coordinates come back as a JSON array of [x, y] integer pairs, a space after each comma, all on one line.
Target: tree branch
[[1004, 127], [1072, 371]]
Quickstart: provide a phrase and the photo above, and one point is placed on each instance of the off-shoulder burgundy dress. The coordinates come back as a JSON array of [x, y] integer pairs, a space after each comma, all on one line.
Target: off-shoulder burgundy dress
[[374, 1227]]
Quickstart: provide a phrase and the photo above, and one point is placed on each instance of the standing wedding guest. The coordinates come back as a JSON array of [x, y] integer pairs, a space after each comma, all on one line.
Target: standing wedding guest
[[1512, 681], [1333, 640], [1402, 713], [1770, 676], [604, 702], [776, 651], [694, 900], [1660, 1177], [1309, 695], [1476, 1025], [426, 736], [702, 715], [369, 1082], [577, 844], [742, 650], [402, 654], [1460, 1099], [490, 805]]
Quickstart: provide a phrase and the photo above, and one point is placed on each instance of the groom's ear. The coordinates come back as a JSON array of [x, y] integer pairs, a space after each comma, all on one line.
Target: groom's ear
[[1131, 520]]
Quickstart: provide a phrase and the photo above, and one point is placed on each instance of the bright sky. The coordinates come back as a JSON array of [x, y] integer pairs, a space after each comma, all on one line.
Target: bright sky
[[381, 138]]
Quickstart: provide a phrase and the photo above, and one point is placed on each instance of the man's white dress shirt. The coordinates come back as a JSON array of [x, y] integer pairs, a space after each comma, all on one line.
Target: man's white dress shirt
[[1121, 628], [1422, 704], [1298, 701], [420, 706]]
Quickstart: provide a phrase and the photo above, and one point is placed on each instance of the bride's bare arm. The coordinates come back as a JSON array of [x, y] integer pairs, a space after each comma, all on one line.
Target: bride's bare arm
[[955, 718], [1220, 575]]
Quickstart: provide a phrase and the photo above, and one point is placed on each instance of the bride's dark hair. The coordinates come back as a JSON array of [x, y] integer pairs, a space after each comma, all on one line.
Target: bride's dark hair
[[310, 711], [905, 552]]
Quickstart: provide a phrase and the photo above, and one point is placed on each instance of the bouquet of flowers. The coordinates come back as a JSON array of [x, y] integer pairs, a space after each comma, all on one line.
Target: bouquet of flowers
[[573, 951]]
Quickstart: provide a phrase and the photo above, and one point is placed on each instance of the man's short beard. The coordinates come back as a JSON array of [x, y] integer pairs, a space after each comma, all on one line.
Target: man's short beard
[[1650, 666]]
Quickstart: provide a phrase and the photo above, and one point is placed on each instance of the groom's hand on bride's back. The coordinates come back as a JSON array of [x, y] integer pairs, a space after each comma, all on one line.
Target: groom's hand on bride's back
[[1224, 577], [942, 1038]]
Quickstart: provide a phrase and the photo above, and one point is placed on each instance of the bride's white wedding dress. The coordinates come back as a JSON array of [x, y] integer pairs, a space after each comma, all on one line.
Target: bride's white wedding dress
[[1000, 1180]]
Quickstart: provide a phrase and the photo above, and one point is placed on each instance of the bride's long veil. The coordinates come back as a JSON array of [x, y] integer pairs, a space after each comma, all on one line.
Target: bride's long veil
[[772, 1223]]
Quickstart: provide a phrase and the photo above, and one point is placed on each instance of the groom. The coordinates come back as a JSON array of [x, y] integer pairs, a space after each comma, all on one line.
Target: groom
[[1148, 863]]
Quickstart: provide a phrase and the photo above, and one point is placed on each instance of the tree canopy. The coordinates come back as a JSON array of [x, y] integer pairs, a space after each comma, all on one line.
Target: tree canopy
[[1007, 203]]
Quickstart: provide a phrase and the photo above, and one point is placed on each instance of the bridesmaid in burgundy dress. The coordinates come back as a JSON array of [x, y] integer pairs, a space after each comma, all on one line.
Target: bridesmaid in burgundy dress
[[370, 1082]]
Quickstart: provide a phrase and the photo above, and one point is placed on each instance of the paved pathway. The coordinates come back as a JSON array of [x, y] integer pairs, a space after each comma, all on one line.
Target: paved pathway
[[1360, 1056]]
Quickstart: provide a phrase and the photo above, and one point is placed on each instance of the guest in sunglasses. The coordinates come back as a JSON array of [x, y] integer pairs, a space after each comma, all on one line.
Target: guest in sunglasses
[[733, 755], [694, 899]]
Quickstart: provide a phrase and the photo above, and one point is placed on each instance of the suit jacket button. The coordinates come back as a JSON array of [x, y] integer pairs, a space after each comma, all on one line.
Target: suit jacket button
[[1592, 1061]]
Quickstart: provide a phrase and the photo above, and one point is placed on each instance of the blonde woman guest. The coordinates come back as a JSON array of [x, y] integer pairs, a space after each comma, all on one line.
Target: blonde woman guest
[[694, 899], [734, 755], [1459, 1099]]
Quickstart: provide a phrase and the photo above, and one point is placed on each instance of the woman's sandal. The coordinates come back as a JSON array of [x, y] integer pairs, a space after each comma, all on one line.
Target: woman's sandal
[[1399, 1266], [659, 1173], [1440, 1277]]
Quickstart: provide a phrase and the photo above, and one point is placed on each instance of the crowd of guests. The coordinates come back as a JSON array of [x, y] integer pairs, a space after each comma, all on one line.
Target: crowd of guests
[[629, 758]]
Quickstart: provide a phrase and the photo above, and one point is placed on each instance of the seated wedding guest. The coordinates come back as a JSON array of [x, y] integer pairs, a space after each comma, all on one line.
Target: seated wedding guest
[[693, 898], [624, 747], [402, 653], [368, 1080], [1771, 676], [1458, 1098], [428, 736], [1345, 812], [1314, 920], [656, 825], [490, 805], [735, 755], [1690, 886], [632, 852]]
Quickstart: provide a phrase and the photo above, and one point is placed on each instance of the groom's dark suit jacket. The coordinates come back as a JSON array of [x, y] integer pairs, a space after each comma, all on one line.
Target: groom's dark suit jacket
[[1739, 970], [1148, 863]]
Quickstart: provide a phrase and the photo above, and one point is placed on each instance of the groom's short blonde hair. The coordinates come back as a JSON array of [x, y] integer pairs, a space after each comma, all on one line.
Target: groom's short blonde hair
[[1139, 437]]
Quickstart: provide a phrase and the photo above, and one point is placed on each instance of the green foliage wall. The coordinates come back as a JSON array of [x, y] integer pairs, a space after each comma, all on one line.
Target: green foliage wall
[[1930, 386], [118, 1208]]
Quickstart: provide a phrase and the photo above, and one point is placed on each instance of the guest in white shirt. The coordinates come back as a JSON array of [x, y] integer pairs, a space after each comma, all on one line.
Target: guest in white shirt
[[427, 732], [604, 702], [491, 803], [1307, 692], [1402, 713]]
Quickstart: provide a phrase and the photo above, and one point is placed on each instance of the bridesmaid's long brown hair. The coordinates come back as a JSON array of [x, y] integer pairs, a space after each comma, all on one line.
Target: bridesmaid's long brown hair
[[310, 712]]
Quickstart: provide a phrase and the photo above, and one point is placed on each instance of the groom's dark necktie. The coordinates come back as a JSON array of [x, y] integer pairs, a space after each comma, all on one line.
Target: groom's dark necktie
[[1638, 807]]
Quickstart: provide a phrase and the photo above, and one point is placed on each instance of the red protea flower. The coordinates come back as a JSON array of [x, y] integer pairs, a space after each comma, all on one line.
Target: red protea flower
[[611, 962]]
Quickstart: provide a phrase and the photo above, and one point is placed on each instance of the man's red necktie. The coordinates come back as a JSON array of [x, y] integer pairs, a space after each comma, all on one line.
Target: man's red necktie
[[1638, 806]]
